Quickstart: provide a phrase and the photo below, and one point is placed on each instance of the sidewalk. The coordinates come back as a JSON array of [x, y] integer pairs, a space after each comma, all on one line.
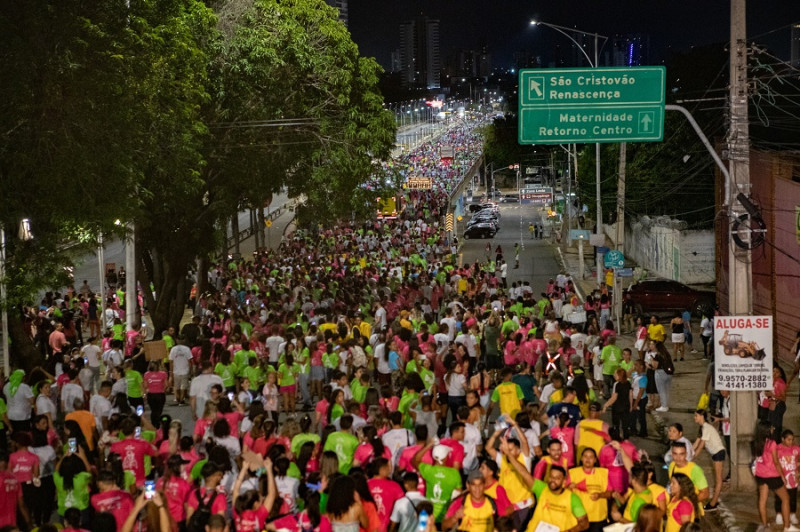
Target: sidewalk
[[738, 511]]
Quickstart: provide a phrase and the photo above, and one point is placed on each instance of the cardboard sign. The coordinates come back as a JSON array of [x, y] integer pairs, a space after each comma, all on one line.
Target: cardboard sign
[[155, 350]]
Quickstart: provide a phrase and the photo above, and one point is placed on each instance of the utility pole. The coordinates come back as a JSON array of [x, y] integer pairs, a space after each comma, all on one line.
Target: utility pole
[[740, 300], [599, 264], [620, 239], [131, 295]]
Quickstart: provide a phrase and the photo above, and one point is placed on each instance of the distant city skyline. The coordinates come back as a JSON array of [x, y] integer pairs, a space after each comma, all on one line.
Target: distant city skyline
[[503, 28]]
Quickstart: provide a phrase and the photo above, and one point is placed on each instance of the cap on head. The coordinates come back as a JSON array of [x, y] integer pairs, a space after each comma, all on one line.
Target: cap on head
[[475, 475], [440, 452]]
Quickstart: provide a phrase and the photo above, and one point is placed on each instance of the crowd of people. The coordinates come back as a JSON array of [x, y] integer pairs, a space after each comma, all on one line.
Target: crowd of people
[[356, 378]]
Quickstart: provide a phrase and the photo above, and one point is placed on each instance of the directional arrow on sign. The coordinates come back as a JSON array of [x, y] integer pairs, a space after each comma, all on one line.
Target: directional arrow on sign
[[536, 87], [646, 121]]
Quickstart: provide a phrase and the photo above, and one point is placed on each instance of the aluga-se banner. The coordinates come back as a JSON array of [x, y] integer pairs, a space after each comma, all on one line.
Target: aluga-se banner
[[743, 353]]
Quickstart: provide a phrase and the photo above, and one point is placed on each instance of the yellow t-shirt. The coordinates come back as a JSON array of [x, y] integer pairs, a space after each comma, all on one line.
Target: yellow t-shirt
[[508, 394], [477, 519], [587, 438], [656, 332], [516, 490], [562, 510], [584, 484]]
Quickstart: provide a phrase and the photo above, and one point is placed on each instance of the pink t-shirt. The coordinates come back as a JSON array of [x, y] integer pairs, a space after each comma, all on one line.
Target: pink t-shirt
[[233, 419], [765, 466], [253, 520], [116, 502], [364, 454], [385, 493], [456, 452], [155, 381], [176, 491], [132, 452], [612, 460], [11, 492], [322, 409], [788, 458], [684, 507], [21, 464], [220, 502], [130, 341], [566, 436]]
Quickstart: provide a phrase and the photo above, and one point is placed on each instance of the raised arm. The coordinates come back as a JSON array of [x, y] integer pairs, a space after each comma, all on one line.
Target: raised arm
[[520, 469]]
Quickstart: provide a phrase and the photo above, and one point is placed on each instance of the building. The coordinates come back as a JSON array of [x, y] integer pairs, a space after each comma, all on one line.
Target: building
[[419, 53], [794, 53], [341, 5], [396, 63], [630, 50]]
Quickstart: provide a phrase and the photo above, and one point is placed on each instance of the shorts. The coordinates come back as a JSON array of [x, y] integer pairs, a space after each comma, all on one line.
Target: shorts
[[180, 382], [639, 345], [678, 338], [289, 389], [317, 373], [441, 399], [718, 457], [772, 483]]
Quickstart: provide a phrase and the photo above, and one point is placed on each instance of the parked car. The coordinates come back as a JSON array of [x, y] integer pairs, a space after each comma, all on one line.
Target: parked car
[[480, 230], [510, 198], [487, 217], [653, 295]]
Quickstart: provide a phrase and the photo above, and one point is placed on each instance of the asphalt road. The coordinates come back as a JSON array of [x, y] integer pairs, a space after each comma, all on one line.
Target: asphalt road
[[538, 259]]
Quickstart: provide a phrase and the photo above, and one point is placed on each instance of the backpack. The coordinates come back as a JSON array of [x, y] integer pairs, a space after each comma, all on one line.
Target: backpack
[[463, 499], [200, 517]]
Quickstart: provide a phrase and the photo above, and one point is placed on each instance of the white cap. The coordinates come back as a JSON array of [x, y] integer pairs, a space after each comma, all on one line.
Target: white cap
[[440, 452]]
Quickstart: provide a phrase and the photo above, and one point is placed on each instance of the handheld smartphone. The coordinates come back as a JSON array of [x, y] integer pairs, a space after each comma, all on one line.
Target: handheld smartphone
[[138, 432], [86, 361], [139, 410], [230, 396], [149, 489], [73, 445]]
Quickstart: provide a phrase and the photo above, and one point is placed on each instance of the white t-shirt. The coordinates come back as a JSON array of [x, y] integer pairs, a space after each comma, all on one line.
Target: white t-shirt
[[451, 327], [404, 512], [200, 387], [288, 488], [396, 440], [472, 438], [100, 407], [380, 318], [456, 385], [111, 315], [469, 342], [180, 355], [92, 354], [274, 343], [120, 386], [113, 358], [45, 405], [70, 392], [711, 438]]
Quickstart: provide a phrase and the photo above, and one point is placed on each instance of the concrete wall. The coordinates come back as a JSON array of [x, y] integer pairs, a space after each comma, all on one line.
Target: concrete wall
[[664, 249]]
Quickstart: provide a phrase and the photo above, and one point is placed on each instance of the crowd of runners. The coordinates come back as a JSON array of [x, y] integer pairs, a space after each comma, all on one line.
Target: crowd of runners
[[356, 378]]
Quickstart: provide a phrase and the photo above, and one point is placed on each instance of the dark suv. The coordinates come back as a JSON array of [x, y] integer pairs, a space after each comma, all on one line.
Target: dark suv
[[664, 294]]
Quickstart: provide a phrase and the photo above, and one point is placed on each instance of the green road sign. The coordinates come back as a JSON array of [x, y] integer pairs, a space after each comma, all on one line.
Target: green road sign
[[563, 105]]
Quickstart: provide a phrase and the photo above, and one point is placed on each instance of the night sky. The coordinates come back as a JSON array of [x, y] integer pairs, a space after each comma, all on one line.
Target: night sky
[[503, 25]]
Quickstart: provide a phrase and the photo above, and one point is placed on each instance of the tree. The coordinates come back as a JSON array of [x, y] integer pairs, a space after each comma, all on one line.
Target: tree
[[291, 104], [79, 82]]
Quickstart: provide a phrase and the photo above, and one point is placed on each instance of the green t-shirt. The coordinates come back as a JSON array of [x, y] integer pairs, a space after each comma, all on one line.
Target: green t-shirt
[[637, 501], [359, 391], [428, 378], [411, 367], [441, 482], [336, 412], [241, 357], [611, 355], [627, 366], [404, 405], [300, 439], [227, 373], [78, 496], [509, 326], [134, 379], [344, 445], [330, 360], [169, 342], [255, 375], [287, 374], [119, 331]]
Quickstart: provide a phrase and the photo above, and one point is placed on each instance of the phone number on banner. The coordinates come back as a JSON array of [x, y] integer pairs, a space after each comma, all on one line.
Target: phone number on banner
[[742, 382]]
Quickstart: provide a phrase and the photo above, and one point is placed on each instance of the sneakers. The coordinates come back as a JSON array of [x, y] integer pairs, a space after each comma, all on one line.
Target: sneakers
[[791, 528], [694, 351], [711, 507], [662, 409], [793, 519], [779, 519]]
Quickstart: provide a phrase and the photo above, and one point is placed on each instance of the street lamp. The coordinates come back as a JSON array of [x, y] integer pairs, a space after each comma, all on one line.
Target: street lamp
[[594, 64], [24, 235]]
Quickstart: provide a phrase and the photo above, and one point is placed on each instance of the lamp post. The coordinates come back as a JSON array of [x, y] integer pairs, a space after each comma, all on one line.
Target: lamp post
[[594, 64]]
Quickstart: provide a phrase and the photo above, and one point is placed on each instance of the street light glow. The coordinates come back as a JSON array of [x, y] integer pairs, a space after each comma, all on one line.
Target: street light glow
[[534, 22]]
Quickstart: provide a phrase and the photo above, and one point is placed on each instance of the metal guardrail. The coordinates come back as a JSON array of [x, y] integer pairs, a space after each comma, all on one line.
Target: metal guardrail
[[249, 231]]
